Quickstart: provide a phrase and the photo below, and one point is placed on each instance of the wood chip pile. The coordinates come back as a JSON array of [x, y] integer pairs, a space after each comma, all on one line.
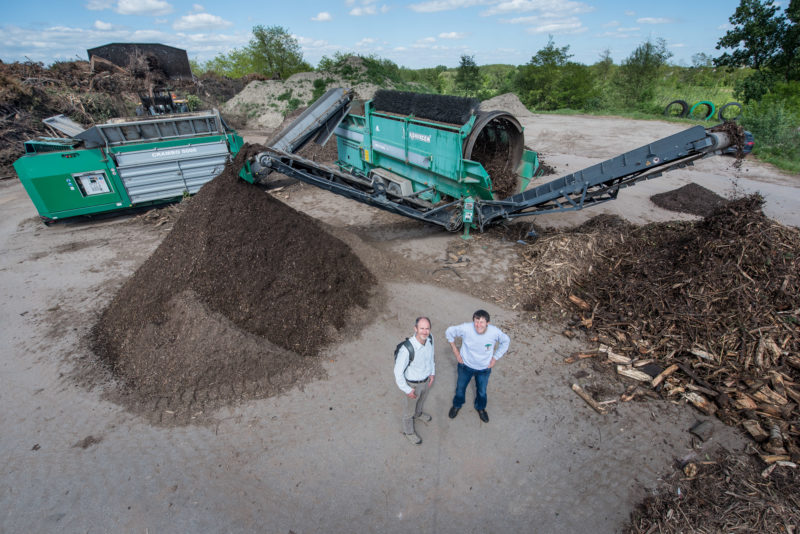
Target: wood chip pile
[[725, 494], [708, 312]]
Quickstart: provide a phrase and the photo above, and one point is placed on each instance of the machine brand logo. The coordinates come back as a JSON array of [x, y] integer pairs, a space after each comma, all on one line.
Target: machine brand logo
[[420, 137], [176, 152]]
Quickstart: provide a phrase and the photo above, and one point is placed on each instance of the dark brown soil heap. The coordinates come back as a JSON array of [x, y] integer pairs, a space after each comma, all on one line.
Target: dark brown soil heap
[[234, 304], [727, 494], [691, 198]]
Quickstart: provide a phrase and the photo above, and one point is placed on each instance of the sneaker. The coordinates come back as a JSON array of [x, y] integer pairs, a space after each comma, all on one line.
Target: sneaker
[[483, 415], [413, 438], [424, 417], [453, 412]]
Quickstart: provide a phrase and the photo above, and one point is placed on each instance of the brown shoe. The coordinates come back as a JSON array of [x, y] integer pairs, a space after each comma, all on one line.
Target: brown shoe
[[413, 438], [424, 417]]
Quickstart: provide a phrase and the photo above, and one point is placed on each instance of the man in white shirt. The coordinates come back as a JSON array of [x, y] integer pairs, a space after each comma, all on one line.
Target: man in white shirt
[[414, 376], [482, 344]]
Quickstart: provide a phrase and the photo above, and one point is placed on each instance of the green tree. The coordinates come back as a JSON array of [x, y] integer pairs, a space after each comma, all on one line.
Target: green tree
[[766, 40], [537, 81], [468, 77], [275, 52], [638, 74], [789, 60], [604, 66], [754, 40]]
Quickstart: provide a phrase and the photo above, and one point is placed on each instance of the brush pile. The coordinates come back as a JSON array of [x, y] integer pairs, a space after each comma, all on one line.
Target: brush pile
[[707, 311], [729, 493], [30, 92]]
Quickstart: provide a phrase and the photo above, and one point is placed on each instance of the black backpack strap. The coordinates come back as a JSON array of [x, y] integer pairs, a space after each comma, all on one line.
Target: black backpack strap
[[410, 348]]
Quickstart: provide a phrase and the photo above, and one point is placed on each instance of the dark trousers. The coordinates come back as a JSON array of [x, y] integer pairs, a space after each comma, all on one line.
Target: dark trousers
[[465, 374]]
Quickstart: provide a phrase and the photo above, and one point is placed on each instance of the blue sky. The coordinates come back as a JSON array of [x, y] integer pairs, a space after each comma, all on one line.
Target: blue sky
[[417, 34]]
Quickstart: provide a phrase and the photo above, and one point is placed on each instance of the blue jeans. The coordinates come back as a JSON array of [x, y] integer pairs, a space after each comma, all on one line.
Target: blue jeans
[[465, 374]]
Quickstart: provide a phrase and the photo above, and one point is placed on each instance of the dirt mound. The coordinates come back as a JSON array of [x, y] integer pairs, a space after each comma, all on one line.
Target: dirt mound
[[234, 304], [691, 198], [264, 104], [509, 103]]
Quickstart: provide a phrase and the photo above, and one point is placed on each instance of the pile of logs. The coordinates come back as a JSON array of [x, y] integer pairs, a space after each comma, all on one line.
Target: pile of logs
[[708, 312]]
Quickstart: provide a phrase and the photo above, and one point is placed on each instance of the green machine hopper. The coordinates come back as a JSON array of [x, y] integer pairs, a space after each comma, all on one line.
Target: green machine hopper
[[436, 147], [123, 163]]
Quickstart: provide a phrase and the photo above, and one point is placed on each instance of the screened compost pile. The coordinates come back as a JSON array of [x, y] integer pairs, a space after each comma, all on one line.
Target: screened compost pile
[[691, 198], [234, 304], [714, 304]]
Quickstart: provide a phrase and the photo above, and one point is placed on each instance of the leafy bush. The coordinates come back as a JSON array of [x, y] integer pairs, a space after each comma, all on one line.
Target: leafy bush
[[320, 85], [774, 124]]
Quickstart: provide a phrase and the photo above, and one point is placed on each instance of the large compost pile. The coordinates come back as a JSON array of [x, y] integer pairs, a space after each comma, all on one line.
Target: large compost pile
[[234, 304]]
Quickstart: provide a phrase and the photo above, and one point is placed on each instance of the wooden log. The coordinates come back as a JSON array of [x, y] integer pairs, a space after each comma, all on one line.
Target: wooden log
[[664, 374], [753, 428], [588, 398], [702, 403], [579, 356], [793, 394], [766, 395], [772, 458], [613, 356], [745, 402], [700, 353], [691, 374], [633, 373], [769, 410], [579, 302]]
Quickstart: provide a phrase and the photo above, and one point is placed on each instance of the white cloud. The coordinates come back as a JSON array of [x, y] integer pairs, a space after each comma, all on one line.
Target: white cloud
[[630, 13], [365, 41], [102, 26], [67, 43], [197, 21], [366, 10], [143, 7], [322, 16], [611, 24], [99, 5], [654, 20], [433, 6], [677, 45], [452, 35], [550, 7], [426, 40], [622, 33], [556, 27], [198, 7]]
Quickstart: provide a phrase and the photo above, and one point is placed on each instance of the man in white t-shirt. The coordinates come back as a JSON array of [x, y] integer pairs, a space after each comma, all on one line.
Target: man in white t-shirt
[[414, 376], [482, 344]]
